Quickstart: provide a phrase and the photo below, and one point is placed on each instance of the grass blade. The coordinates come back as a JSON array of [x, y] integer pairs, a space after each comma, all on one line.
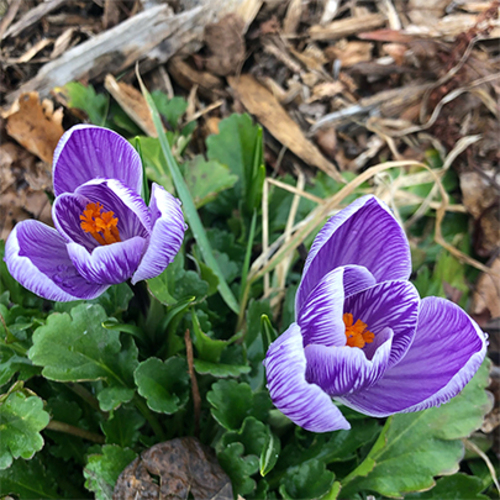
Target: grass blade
[[188, 205]]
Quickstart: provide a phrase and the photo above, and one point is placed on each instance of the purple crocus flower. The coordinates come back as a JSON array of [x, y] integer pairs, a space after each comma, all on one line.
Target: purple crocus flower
[[362, 334], [105, 234]]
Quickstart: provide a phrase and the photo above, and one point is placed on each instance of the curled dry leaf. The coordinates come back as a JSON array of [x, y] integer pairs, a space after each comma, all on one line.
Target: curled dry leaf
[[132, 102], [173, 470], [35, 125], [481, 198], [486, 297]]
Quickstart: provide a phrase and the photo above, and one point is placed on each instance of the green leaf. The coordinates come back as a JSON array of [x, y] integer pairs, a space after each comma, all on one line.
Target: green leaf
[[239, 146], [233, 402], [164, 385], [28, 480], [66, 446], [175, 283], [153, 160], [189, 209], [205, 179], [85, 98], [122, 427], [21, 420], [171, 109], [102, 471], [309, 480], [456, 487], [12, 363], [115, 299], [219, 370], [208, 349], [253, 435], [414, 447], [239, 468], [77, 347], [270, 454]]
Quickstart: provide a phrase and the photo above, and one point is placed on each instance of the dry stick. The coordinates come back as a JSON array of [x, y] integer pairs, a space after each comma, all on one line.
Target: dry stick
[[459, 148], [487, 461], [194, 383], [295, 190], [301, 181], [9, 17], [445, 100], [55, 425], [449, 75]]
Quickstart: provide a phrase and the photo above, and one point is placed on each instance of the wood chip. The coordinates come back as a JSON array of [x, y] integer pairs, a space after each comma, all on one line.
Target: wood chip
[[35, 125], [132, 102], [32, 16], [349, 53], [292, 17], [346, 27], [262, 103]]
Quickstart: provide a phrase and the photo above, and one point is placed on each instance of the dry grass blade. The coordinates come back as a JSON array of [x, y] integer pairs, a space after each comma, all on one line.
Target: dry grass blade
[[269, 259]]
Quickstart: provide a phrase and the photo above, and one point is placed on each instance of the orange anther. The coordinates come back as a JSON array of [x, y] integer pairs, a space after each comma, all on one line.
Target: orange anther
[[102, 226], [356, 333]]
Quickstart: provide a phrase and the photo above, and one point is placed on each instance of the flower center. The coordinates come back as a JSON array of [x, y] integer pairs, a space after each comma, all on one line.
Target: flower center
[[101, 225], [356, 333]]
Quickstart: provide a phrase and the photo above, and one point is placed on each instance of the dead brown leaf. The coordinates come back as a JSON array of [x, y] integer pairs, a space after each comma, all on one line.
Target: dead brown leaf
[[481, 198], [264, 105], [35, 125], [132, 102], [181, 467], [486, 297], [226, 44]]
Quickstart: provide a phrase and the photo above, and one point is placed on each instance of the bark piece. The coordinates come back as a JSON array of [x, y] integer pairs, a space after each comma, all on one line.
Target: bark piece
[[226, 44], [261, 103]]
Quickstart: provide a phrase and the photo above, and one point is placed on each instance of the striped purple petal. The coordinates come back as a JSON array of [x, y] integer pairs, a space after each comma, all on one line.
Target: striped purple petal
[[166, 236], [108, 264], [391, 304], [37, 257], [305, 404], [88, 152], [366, 234], [320, 316], [447, 351], [343, 370]]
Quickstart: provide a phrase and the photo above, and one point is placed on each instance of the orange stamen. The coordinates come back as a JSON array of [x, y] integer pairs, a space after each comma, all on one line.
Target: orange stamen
[[356, 333], [102, 226]]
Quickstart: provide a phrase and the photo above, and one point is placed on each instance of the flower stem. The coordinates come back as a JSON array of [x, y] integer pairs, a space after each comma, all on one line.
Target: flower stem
[[194, 383], [55, 425], [79, 390]]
